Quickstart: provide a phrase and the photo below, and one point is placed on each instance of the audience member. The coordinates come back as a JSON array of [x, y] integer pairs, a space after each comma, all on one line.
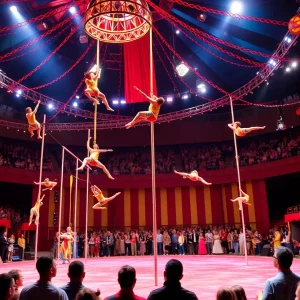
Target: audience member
[[7, 287], [87, 294], [283, 286], [297, 294], [239, 292], [18, 278], [172, 288], [127, 281], [43, 289], [3, 244], [226, 294]]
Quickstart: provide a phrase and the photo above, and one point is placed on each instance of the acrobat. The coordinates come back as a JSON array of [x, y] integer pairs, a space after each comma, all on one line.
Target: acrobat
[[236, 127], [93, 160], [102, 200], [152, 114], [32, 122], [245, 199], [192, 176], [35, 211], [47, 183], [92, 91]]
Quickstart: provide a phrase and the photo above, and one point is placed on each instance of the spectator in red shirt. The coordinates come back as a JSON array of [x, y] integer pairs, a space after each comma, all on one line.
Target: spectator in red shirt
[[127, 281]]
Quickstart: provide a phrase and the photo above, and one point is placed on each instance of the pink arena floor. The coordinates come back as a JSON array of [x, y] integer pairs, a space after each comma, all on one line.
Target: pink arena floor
[[204, 275]]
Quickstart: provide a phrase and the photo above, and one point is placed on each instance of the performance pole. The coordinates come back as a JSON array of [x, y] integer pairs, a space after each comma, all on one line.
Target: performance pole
[[60, 198], [40, 189], [153, 170], [239, 180], [75, 211], [87, 203]]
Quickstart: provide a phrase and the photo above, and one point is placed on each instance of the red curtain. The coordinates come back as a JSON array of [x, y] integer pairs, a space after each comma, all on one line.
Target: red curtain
[[137, 69], [291, 217]]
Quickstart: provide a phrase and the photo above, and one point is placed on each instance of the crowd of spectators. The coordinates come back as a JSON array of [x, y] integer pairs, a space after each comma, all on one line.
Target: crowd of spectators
[[9, 213], [22, 155]]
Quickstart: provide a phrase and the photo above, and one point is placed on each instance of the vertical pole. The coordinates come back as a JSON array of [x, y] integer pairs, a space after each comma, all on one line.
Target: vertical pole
[[87, 203], [70, 205], [40, 188], [239, 181], [60, 199], [153, 169], [95, 111], [75, 211]]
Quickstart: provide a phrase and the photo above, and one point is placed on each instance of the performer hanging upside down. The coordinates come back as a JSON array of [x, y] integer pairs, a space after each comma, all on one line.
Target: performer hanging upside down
[[66, 247], [35, 211], [192, 176], [245, 199], [152, 114], [99, 196], [48, 184], [92, 91], [32, 122], [236, 127], [93, 159]]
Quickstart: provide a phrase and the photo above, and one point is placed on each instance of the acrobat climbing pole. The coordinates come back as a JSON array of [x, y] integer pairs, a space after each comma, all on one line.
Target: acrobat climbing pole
[[239, 181], [95, 112]]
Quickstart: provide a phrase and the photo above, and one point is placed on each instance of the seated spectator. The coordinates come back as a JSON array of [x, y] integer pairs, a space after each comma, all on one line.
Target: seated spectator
[[283, 286], [127, 281], [297, 294], [226, 294], [239, 292], [43, 288], [87, 294], [172, 288], [7, 287], [18, 278], [76, 274]]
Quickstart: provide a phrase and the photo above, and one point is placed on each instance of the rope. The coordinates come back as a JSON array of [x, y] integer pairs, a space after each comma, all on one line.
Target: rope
[[239, 180], [95, 111]]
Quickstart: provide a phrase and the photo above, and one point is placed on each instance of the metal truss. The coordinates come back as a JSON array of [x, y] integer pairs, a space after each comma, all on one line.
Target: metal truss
[[107, 121]]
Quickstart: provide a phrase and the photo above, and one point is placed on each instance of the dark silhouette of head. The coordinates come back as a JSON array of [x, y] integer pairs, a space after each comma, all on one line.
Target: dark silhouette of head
[[239, 292], [283, 258], [76, 271], [226, 294], [173, 271], [46, 268], [7, 287], [127, 277]]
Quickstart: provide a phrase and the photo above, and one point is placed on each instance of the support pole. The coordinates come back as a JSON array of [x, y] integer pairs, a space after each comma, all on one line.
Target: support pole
[[40, 189], [70, 204], [239, 181], [95, 110], [87, 204], [75, 212], [60, 199], [153, 169]]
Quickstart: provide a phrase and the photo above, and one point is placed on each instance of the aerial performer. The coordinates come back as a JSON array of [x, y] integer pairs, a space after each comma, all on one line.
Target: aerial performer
[[93, 158], [66, 247], [35, 211], [99, 196], [48, 184], [92, 91], [32, 122], [236, 127], [192, 176], [244, 199], [152, 114]]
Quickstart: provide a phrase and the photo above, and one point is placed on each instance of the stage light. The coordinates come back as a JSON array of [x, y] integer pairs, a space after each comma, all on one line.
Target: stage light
[[72, 10], [169, 99], [236, 7], [75, 104], [203, 90], [177, 31], [123, 102], [288, 69], [272, 62], [182, 69], [116, 102], [267, 83], [13, 9], [288, 39], [201, 17], [77, 97], [294, 64], [19, 92], [185, 97], [200, 85], [50, 106]]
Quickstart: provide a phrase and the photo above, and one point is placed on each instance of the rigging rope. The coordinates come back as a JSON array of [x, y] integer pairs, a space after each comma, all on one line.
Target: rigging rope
[[95, 112]]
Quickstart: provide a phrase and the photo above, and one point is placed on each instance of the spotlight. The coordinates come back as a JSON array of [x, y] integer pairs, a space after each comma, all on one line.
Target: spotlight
[[13, 9], [288, 69], [294, 64], [201, 17], [77, 97], [19, 92], [115, 102], [272, 62], [182, 69], [169, 99], [203, 90], [72, 10], [185, 97], [123, 102], [177, 31], [236, 7], [50, 106], [75, 104], [288, 39], [267, 83], [200, 85]]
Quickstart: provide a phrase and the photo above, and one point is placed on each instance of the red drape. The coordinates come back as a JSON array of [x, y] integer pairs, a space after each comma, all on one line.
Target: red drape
[[137, 69], [291, 217]]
